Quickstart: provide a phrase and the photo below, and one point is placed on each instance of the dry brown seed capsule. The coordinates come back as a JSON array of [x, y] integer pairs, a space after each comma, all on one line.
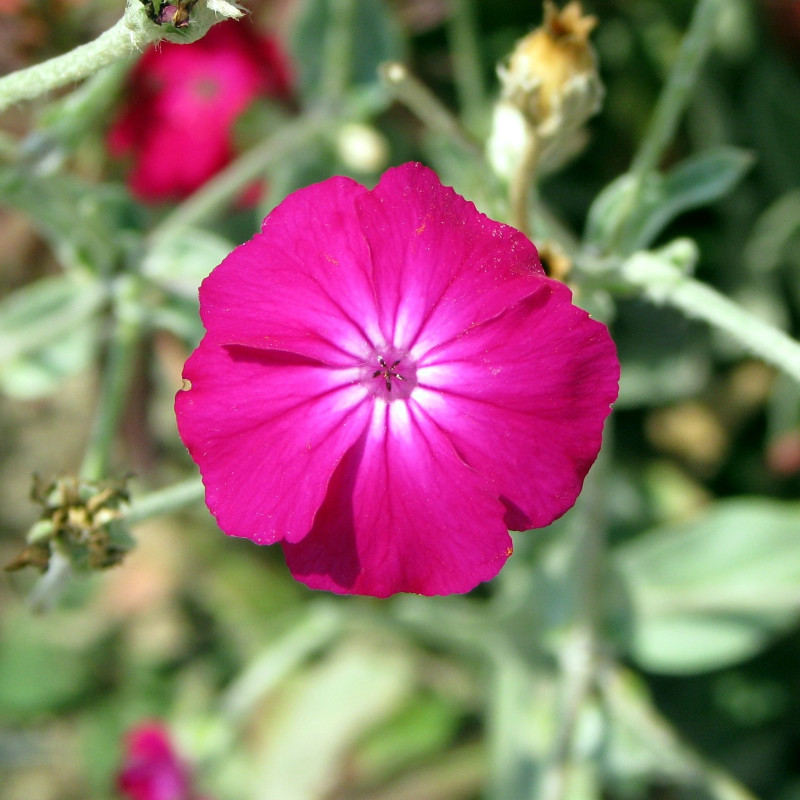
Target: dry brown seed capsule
[[550, 87]]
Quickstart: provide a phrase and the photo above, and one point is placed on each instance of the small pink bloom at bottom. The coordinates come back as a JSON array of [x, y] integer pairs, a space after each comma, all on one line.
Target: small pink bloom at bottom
[[388, 383], [151, 769]]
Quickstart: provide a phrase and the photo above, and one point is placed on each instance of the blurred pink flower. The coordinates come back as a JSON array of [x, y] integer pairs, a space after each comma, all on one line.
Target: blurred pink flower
[[151, 769], [389, 382], [183, 101]]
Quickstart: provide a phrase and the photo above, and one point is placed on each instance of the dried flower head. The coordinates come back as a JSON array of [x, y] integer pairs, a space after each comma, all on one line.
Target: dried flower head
[[551, 84], [84, 519]]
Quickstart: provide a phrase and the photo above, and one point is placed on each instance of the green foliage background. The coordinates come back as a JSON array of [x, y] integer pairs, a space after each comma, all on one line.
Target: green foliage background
[[688, 606]]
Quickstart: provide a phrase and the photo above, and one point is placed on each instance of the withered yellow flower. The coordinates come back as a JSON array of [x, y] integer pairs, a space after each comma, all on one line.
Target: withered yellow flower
[[550, 87]]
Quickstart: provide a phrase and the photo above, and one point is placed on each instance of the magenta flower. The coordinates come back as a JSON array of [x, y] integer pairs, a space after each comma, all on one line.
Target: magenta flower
[[389, 382], [183, 101], [151, 770]]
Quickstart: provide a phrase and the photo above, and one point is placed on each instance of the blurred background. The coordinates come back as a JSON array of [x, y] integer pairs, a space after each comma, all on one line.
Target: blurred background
[[266, 690]]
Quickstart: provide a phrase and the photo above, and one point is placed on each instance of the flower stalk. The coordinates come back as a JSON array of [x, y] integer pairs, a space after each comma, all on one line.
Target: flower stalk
[[116, 380], [522, 182], [550, 88], [465, 51], [421, 101], [338, 48], [129, 35], [680, 85], [165, 501], [672, 102], [665, 284], [290, 139], [578, 650]]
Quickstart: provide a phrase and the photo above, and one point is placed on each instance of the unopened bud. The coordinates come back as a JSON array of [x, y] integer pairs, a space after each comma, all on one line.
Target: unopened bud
[[362, 148], [551, 80]]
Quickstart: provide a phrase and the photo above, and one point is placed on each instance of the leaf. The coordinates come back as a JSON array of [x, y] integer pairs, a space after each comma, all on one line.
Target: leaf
[[47, 333], [41, 669], [39, 374], [179, 262], [625, 218], [349, 38], [713, 591], [608, 210], [696, 182], [773, 234], [351, 691], [423, 728], [86, 224]]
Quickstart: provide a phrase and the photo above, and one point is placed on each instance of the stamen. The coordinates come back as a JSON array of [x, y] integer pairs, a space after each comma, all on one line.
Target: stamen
[[388, 371]]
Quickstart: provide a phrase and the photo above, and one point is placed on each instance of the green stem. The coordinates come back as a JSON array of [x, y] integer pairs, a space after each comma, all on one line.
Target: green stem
[[671, 104], [521, 184], [216, 193], [165, 501], [322, 625], [127, 36], [577, 654], [465, 54], [338, 52], [678, 90], [424, 103], [116, 381], [509, 690], [68, 120], [50, 587], [664, 284], [630, 707]]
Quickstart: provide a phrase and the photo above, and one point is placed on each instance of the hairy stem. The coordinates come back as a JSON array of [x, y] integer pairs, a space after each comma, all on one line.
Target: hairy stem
[[119, 41], [165, 501], [338, 51], [678, 90], [629, 706], [577, 655], [424, 103], [521, 185], [465, 52], [672, 102], [115, 382], [291, 138], [665, 284]]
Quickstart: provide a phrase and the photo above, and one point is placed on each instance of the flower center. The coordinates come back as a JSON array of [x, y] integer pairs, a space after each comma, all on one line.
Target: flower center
[[388, 372], [206, 89], [390, 375]]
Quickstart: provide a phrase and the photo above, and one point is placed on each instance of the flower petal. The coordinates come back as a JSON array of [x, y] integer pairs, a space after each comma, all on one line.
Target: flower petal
[[524, 398], [267, 430], [439, 265], [182, 101], [403, 514], [303, 284]]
